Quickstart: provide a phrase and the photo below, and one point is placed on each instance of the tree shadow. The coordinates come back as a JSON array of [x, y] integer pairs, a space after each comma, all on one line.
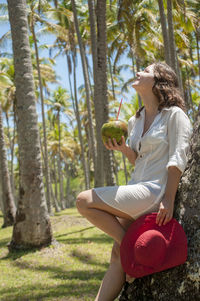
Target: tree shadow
[[16, 254], [78, 290], [87, 258], [99, 240], [4, 242], [64, 274], [78, 231]]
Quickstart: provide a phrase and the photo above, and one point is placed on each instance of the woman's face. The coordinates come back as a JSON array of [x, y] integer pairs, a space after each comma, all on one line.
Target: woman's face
[[144, 79]]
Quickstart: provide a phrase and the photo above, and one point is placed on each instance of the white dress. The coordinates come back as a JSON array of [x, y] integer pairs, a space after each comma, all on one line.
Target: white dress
[[165, 144]]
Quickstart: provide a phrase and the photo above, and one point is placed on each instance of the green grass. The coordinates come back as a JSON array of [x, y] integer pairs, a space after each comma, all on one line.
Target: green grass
[[70, 270]]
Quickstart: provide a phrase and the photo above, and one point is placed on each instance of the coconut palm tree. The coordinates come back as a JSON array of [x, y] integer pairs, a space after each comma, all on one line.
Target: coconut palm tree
[[165, 34], [9, 209], [32, 226], [77, 113], [7, 102], [36, 9], [86, 80], [46, 161], [99, 55], [67, 46], [58, 105], [66, 148], [99, 171]]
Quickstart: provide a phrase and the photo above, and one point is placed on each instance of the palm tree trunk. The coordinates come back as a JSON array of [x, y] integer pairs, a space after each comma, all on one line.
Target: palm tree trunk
[[190, 101], [9, 209], [55, 177], [133, 61], [111, 76], [84, 164], [55, 202], [164, 32], [46, 161], [115, 168], [197, 34], [138, 69], [172, 47], [173, 54], [67, 189], [61, 192], [32, 227], [125, 169], [134, 73], [86, 80], [102, 83], [99, 170], [12, 143], [12, 159]]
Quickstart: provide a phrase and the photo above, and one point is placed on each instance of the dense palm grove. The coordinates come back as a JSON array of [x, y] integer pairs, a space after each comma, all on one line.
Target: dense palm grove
[[112, 40]]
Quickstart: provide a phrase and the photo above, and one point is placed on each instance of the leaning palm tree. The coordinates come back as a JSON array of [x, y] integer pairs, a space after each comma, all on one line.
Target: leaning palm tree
[[32, 227]]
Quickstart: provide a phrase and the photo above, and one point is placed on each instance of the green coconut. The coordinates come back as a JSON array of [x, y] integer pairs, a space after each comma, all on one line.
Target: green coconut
[[114, 129]]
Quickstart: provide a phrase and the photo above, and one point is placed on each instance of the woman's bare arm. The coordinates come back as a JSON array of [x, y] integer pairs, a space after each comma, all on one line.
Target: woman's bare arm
[[166, 209], [125, 149]]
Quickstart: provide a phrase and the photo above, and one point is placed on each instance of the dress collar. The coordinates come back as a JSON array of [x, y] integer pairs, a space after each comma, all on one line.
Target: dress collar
[[142, 113]]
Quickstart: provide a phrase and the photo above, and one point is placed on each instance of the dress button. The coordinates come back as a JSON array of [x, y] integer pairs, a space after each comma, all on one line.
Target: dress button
[[140, 156]]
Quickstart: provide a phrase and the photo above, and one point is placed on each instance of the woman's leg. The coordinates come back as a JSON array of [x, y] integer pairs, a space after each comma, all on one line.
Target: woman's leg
[[101, 215], [114, 278]]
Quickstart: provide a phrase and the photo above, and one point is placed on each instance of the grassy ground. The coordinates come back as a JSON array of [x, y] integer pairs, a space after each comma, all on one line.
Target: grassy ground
[[71, 270]]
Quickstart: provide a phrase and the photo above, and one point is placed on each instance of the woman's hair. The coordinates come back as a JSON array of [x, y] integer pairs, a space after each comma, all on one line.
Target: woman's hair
[[165, 88]]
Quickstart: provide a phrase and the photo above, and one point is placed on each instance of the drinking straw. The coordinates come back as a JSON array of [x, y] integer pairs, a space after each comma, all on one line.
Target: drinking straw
[[119, 109]]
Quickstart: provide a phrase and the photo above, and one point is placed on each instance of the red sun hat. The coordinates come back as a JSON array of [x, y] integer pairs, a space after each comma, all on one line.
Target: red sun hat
[[148, 248]]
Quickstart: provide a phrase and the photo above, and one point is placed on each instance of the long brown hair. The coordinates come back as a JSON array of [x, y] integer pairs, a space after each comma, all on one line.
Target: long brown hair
[[165, 88]]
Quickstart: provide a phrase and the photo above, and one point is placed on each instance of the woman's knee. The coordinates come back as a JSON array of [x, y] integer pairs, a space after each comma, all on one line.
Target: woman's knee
[[82, 201]]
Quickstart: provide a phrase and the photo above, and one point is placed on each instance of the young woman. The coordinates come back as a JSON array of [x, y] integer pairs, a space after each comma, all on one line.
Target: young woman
[[158, 143]]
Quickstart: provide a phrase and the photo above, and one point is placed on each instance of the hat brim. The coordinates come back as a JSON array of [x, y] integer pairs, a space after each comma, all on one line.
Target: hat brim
[[176, 243]]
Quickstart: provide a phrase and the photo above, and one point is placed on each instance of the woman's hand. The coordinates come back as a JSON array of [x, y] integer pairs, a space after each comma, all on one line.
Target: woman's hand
[[165, 212], [113, 145], [125, 149]]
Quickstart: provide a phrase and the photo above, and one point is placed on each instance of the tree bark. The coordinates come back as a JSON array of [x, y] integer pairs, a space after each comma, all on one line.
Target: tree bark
[[12, 143], [83, 160], [55, 202], [77, 114], [99, 170], [180, 283], [102, 84], [9, 209], [173, 54], [46, 160], [55, 177], [164, 31], [60, 177], [67, 188], [32, 227], [172, 48], [125, 169], [197, 35], [86, 80]]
